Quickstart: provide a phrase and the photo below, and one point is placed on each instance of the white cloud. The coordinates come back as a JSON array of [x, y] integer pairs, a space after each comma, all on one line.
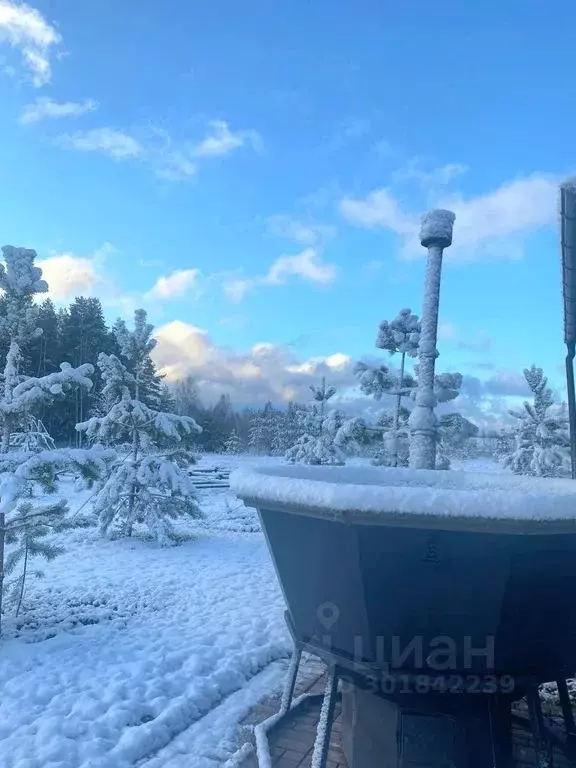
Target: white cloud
[[175, 165], [174, 285], [307, 265], [336, 362], [25, 29], [515, 207], [494, 224], [69, 275], [293, 229], [266, 371], [221, 140], [108, 141], [378, 209], [236, 288], [168, 158], [435, 178], [46, 108]]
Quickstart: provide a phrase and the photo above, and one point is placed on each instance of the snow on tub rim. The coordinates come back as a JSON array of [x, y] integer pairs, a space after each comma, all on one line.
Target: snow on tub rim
[[449, 500]]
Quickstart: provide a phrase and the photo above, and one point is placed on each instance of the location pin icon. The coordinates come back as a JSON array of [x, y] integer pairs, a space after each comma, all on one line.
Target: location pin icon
[[328, 614]]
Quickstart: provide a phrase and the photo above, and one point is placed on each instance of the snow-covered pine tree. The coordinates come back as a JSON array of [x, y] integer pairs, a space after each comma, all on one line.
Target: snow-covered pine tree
[[261, 431], [542, 435], [233, 444], [34, 438], [25, 523], [318, 430], [394, 448], [217, 424], [352, 435], [21, 397], [379, 381], [27, 531], [399, 336], [375, 380], [446, 388], [135, 348], [83, 335], [146, 487]]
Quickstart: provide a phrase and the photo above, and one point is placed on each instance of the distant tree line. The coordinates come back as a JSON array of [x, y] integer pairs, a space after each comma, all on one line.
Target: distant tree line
[[76, 334]]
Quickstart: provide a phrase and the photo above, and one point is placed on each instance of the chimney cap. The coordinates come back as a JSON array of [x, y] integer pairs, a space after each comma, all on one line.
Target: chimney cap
[[436, 228]]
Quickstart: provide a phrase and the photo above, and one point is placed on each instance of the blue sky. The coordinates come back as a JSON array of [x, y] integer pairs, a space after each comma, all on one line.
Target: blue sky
[[253, 174]]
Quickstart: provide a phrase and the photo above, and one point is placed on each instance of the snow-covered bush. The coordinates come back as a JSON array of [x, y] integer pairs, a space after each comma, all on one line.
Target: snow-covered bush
[[542, 435], [316, 449], [34, 437], [147, 486], [455, 431]]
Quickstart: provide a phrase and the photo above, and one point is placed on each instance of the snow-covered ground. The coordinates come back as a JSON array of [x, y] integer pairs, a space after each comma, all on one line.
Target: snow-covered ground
[[126, 646], [133, 655]]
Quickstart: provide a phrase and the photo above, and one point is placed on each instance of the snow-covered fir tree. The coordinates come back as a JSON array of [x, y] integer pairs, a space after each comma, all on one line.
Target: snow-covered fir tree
[[147, 486], [542, 434], [287, 428], [233, 444], [318, 429], [262, 430]]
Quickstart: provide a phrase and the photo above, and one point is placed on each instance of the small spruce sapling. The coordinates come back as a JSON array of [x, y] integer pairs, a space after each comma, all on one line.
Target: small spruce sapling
[[26, 524], [542, 436], [233, 444], [316, 443]]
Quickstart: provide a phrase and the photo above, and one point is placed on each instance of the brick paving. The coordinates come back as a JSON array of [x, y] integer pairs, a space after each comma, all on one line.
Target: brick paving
[[291, 742]]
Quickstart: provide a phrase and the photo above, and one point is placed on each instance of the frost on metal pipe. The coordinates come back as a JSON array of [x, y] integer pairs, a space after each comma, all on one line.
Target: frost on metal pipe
[[435, 234], [568, 247], [568, 244]]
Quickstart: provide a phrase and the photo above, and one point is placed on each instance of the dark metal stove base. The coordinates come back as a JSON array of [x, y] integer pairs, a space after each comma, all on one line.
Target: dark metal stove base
[[416, 731]]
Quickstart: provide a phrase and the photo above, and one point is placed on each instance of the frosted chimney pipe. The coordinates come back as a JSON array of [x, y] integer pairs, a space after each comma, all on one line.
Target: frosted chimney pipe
[[435, 234]]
